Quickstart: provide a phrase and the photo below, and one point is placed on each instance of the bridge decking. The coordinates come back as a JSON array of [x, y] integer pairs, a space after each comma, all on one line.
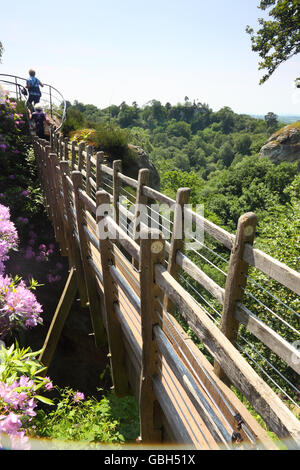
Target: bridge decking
[[187, 402]]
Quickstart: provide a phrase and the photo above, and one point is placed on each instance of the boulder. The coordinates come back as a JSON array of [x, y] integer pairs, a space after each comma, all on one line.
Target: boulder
[[141, 160], [283, 145]]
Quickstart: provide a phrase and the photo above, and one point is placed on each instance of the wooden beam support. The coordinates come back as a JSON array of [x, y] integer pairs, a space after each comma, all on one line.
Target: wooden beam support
[[58, 320]]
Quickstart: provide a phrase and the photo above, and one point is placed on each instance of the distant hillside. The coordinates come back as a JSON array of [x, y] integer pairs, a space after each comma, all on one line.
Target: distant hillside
[[285, 118]]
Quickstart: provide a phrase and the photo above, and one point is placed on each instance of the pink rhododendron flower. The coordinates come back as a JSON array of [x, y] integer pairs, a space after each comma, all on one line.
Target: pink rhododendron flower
[[78, 397]]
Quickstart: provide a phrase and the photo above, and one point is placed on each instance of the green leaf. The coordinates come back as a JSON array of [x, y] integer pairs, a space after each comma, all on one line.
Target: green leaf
[[44, 399]]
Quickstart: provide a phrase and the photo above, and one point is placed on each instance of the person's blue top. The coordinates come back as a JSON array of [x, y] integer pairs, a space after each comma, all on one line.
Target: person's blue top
[[34, 86]]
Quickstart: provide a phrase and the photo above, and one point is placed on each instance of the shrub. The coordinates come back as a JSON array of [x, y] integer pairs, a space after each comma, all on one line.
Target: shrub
[[20, 381], [109, 420]]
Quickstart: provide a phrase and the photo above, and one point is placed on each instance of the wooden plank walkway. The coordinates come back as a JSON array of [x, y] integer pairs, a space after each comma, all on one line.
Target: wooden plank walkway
[[132, 298]]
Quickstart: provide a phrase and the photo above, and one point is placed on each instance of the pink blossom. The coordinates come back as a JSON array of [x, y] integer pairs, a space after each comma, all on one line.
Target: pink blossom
[[78, 397]]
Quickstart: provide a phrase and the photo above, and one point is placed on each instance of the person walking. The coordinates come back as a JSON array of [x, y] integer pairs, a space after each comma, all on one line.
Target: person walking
[[39, 118], [33, 84]]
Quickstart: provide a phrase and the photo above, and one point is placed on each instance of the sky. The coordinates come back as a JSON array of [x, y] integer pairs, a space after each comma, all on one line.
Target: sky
[[106, 52]]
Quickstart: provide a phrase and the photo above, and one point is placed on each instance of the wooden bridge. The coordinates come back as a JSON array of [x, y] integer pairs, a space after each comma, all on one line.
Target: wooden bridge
[[138, 305]]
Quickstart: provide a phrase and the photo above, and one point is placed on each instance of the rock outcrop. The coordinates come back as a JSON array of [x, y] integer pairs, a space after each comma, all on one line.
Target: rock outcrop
[[142, 160], [132, 161], [283, 145]]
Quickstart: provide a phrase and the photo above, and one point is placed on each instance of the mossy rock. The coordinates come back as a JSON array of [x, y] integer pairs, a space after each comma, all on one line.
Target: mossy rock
[[133, 157], [283, 145]]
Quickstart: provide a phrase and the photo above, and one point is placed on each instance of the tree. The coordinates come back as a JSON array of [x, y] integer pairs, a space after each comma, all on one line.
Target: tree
[[1, 50], [271, 121], [278, 39]]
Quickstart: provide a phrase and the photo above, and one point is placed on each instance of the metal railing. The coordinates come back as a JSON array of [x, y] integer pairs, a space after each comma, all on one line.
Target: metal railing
[[52, 101]]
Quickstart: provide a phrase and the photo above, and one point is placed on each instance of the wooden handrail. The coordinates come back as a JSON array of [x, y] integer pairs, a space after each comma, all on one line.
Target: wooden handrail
[[150, 291]]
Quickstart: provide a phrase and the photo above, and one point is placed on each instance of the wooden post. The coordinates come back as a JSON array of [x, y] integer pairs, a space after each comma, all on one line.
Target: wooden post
[[143, 180], [66, 153], [51, 137], [99, 162], [177, 239], [90, 281], [51, 190], [152, 252], [117, 167], [60, 152], [236, 280], [58, 207], [59, 319], [113, 327], [81, 148], [73, 155], [89, 152], [74, 248]]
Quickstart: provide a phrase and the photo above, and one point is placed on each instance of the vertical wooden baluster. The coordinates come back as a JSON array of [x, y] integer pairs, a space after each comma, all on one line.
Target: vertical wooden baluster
[[143, 180], [66, 153], [53, 160], [152, 252], [90, 281], [177, 239], [73, 155], [99, 173], [74, 248], [81, 148], [89, 152], [236, 280], [117, 167], [114, 333]]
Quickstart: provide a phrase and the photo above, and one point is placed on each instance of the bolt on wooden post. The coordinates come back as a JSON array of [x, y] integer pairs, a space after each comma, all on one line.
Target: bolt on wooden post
[[152, 252], [113, 327], [236, 280]]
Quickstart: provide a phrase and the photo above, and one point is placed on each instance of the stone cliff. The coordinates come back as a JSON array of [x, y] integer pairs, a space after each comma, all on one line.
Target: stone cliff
[[283, 145]]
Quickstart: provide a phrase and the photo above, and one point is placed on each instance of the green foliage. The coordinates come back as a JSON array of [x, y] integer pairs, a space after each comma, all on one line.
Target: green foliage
[[112, 140], [278, 38], [16, 362], [109, 420], [74, 121]]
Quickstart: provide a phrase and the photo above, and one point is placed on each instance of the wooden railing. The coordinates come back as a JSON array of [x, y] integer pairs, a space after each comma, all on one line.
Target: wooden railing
[[134, 287]]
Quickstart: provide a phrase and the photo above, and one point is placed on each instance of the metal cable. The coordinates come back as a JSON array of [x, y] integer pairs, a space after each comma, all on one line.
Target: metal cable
[[271, 311], [209, 249], [273, 296], [264, 372], [208, 261], [270, 365], [198, 293]]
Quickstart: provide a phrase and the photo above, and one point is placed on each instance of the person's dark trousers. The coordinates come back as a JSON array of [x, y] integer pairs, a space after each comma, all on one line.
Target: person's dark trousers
[[32, 100]]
